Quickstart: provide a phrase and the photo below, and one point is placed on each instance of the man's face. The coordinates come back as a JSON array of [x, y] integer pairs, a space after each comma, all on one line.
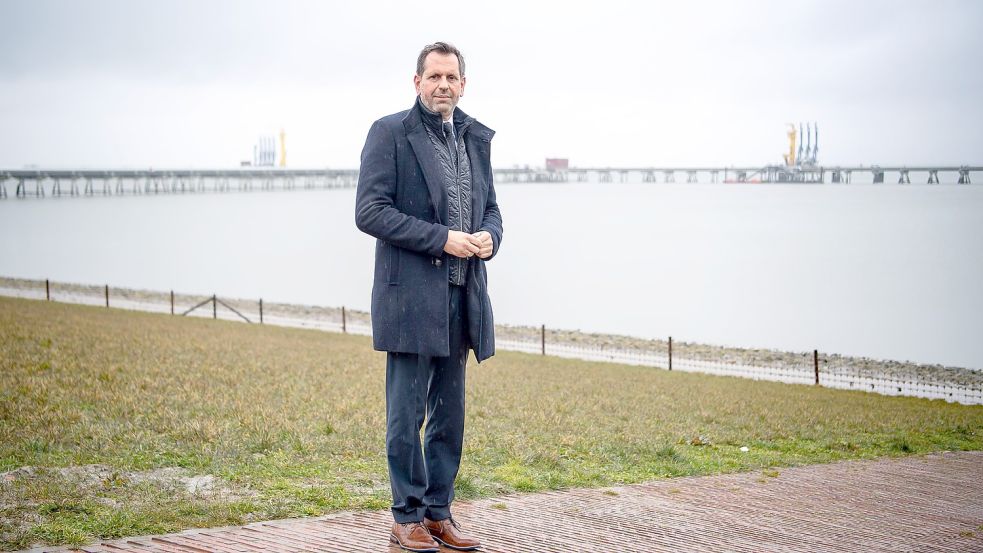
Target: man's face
[[441, 85]]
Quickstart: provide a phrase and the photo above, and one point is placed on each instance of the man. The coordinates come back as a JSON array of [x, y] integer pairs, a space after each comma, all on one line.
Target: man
[[425, 192]]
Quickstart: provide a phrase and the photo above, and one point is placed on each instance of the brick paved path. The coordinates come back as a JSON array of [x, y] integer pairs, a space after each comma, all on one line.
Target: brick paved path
[[924, 503]]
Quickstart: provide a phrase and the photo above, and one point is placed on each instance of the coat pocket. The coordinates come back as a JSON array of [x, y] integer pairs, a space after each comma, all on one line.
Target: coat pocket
[[393, 277]]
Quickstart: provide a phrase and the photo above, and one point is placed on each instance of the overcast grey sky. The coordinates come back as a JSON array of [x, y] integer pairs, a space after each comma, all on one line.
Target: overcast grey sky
[[193, 84]]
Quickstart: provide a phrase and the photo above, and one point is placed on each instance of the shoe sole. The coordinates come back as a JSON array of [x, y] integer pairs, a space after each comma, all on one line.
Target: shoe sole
[[445, 544], [395, 540]]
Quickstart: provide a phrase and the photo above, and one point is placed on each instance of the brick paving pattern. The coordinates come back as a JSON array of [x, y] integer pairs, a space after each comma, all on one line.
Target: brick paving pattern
[[923, 503]]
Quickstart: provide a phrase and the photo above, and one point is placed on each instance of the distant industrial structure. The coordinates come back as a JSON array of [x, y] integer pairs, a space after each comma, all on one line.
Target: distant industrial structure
[[800, 166], [557, 164], [264, 152], [283, 148]]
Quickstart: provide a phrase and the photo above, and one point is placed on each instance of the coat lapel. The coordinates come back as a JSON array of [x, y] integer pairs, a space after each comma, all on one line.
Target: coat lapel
[[423, 150], [477, 154], [477, 139]]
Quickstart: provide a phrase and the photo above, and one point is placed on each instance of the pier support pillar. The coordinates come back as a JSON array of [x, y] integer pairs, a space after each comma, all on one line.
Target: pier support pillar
[[606, 176], [933, 176], [903, 178], [670, 176], [713, 176], [964, 176], [878, 176], [690, 176]]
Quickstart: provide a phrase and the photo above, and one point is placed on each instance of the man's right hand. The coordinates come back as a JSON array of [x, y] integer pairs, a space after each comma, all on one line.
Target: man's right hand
[[461, 244]]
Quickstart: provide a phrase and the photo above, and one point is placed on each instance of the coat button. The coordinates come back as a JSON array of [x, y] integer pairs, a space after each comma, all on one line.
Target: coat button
[[438, 261]]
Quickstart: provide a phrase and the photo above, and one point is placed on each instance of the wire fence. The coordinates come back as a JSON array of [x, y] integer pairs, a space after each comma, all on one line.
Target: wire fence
[[841, 377], [832, 372]]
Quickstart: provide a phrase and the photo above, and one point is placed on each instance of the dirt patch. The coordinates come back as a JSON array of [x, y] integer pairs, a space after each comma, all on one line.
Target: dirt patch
[[99, 476]]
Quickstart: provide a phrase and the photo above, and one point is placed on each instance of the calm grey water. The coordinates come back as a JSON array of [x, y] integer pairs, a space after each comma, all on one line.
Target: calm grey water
[[885, 271]]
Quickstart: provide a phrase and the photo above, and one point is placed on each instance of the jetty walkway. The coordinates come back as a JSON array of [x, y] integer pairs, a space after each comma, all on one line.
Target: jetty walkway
[[51, 182]]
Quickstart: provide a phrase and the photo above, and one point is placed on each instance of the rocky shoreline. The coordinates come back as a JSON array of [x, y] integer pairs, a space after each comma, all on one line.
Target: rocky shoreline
[[864, 366]]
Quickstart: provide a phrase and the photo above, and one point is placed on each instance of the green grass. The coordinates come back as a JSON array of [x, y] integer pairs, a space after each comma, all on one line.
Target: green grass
[[111, 408]]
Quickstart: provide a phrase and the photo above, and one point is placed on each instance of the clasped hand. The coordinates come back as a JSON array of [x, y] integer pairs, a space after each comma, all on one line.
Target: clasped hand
[[462, 244]]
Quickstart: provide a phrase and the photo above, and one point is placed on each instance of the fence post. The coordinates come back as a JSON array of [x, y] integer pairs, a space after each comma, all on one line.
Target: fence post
[[214, 307], [670, 353], [107, 295], [542, 338], [260, 310], [172, 302], [344, 321], [815, 363], [47, 290]]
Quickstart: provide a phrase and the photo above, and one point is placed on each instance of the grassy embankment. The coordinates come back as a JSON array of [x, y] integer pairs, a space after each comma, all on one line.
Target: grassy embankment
[[118, 423]]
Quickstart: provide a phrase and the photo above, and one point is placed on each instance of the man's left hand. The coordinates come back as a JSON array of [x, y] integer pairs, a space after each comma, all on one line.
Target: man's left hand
[[486, 243]]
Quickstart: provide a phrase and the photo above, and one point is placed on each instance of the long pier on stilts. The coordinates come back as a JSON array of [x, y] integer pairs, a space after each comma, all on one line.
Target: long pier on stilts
[[932, 174], [93, 182]]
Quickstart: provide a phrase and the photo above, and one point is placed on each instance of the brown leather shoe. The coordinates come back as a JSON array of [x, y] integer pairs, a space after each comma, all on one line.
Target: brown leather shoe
[[413, 536], [449, 533]]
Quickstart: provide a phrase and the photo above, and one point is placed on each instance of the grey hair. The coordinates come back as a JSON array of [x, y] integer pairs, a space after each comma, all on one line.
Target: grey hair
[[442, 48]]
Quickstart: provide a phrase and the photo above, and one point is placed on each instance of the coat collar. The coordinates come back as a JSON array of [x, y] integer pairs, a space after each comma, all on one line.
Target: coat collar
[[416, 134], [415, 118]]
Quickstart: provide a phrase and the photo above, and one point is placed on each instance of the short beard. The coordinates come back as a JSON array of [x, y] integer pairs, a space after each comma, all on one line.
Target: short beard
[[432, 108]]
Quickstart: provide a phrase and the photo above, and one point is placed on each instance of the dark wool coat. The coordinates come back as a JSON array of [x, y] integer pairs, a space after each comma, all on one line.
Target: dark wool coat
[[402, 201]]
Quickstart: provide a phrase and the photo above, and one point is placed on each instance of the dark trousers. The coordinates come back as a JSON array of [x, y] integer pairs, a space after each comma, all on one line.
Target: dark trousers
[[419, 386]]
